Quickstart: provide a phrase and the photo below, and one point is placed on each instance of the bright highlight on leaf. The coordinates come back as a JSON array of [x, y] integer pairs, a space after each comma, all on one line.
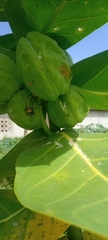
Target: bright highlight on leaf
[[65, 21], [66, 182], [91, 75]]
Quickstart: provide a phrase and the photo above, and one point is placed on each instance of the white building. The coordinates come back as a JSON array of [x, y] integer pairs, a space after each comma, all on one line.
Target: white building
[[10, 129]]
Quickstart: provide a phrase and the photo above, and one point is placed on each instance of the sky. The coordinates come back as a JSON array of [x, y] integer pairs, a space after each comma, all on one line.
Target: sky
[[94, 43]]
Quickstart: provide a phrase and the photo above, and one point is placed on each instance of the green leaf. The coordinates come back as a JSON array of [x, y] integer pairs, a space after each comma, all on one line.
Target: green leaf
[[16, 222], [7, 163], [19, 224], [91, 75], [74, 233], [7, 41], [66, 21], [9, 53], [14, 227], [67, 178], [3, 17], [9, 205]]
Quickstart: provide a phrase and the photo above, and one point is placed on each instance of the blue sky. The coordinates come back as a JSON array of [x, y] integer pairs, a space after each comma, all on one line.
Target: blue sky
[[94, 43], [91, 45]]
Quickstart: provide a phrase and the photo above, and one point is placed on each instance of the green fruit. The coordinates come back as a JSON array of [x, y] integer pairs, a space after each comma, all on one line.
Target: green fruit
[[69, 59], [23, 109], [3, 107], [43, 66], [9, 80], [68, 109]]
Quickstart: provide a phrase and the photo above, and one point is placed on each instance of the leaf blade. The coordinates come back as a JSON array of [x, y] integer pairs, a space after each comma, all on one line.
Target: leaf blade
[[9, 205], [69, 180], [3, 17], [18, 222], [7, 163], [91, 75], [69, 20], [7, 41]]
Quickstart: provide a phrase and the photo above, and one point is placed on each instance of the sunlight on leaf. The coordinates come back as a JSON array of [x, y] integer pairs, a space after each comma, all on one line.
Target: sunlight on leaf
[[67, 178], [91, 75], [16, 222], [66, 21], [7, 163]]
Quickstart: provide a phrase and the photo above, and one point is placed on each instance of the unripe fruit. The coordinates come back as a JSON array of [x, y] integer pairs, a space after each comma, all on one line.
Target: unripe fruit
[[68, 109], [44, 67], [23, 109]]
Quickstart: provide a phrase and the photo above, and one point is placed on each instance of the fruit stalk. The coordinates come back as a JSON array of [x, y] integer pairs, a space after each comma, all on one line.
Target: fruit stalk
[[44, 125]]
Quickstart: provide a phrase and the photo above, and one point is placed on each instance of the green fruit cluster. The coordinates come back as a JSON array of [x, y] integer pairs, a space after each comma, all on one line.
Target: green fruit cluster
[[69, 109], [43, 66], [40, 83]]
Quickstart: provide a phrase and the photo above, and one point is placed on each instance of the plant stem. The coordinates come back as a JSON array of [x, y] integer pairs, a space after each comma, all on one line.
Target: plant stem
[[28, 100], [44, 125]]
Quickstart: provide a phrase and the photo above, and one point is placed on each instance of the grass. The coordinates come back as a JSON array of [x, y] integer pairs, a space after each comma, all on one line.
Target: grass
[[91, 128], [6, 144]]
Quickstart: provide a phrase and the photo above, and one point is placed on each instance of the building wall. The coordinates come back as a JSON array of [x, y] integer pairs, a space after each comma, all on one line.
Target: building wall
[[10, 129], [96, 117]]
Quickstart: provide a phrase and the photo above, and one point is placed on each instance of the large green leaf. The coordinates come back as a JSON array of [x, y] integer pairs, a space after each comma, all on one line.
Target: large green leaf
[[7, 163], [9, 205], [2, 12], [7, 41], [91, 75], [16, 222], [67, 178], [67, 21], [15, 227], [8, 53]]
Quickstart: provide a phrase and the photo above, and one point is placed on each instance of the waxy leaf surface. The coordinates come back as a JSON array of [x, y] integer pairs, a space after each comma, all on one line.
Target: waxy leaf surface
[[8, 53], [7, 41], [16, 222], [91, 75], [67, 178], [9, 205], [7, 163], [66, 21], [2, 12]]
